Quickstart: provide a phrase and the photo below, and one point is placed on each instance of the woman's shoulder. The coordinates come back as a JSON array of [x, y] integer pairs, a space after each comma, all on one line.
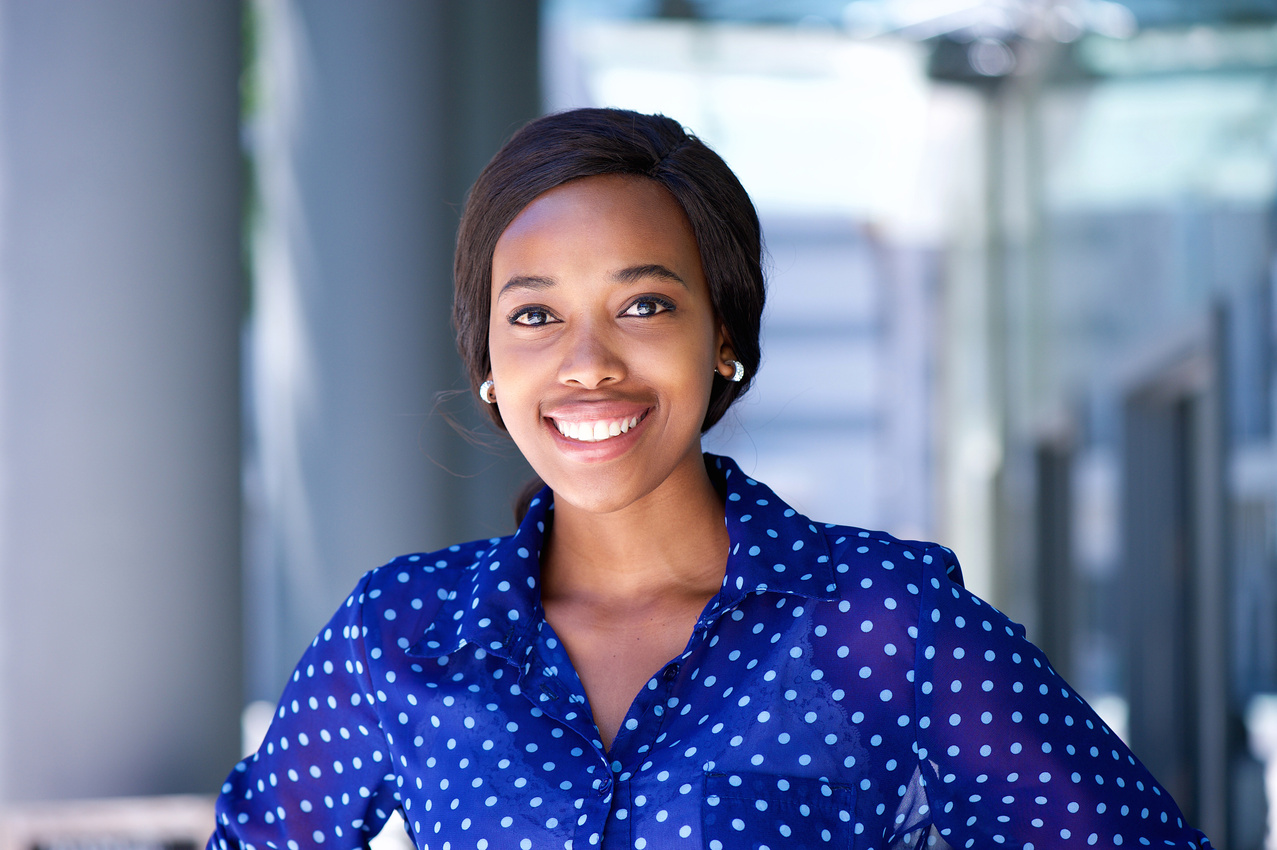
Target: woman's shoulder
[[760, 521], [858, 553], [409, 590], [877, 582]]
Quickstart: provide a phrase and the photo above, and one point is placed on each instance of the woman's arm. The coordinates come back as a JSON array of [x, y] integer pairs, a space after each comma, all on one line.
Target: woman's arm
[[323, 773], [1009, 753]]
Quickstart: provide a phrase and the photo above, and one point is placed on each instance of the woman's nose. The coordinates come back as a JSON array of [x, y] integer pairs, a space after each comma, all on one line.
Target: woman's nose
[[590, 358]]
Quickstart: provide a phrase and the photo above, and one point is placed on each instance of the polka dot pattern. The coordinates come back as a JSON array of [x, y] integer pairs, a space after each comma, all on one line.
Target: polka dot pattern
[[843, 689]]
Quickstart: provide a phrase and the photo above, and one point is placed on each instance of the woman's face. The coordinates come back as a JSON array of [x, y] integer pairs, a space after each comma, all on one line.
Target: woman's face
[[603, 340]]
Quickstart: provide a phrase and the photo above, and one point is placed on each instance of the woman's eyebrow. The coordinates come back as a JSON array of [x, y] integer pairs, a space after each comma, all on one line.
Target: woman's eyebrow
[[630, 274], [634, 273], [525, 281]]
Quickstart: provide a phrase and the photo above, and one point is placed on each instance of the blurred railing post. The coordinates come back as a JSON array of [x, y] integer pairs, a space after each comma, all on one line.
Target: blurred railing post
[[372, 120]]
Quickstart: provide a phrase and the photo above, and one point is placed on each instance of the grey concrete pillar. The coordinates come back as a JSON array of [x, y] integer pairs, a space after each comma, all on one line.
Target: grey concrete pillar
[[373, 120], [121, 295]]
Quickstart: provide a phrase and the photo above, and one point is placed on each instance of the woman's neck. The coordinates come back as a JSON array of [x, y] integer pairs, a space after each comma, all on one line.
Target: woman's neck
[[671, 543], [622, 590]]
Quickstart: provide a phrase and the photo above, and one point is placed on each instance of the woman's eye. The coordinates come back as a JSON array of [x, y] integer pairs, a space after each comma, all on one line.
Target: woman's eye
[[648, 307], [530, 316]]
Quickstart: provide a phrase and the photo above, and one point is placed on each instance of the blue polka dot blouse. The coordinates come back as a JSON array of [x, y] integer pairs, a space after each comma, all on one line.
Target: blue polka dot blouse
[[842, 690]]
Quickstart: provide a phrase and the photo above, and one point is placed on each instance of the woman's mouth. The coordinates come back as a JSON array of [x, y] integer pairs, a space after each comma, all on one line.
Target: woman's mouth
[[597, 430]]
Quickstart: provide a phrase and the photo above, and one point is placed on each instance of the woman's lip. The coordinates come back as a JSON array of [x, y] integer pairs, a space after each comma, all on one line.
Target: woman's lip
[[596, 430], [597, 450], [595, 411]]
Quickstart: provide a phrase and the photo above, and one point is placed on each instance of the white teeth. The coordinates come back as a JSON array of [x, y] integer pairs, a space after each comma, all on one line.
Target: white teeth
[[593, 432]]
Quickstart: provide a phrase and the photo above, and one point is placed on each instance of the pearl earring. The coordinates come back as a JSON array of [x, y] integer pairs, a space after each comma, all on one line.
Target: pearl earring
[[485, 391]]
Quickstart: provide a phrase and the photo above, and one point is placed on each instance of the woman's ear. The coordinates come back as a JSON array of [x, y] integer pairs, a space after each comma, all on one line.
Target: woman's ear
[[486, 390], [725, 354]]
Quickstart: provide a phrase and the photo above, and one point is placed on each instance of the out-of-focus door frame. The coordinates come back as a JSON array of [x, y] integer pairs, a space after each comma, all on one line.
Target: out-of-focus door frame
[[1175, 570]]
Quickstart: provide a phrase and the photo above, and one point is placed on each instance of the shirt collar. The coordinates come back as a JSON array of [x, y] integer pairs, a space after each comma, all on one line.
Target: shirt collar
[[496, 603], [773, 547]]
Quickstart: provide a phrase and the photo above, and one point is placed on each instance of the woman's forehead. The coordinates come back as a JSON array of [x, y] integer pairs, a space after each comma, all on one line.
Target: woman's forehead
[[617, 221], [587, 198]]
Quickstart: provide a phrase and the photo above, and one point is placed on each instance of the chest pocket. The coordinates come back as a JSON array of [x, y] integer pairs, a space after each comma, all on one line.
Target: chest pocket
[[762, 811]]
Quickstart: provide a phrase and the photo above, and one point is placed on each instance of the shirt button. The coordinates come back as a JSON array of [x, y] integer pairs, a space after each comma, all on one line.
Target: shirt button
[[605, 787], [671, 672]]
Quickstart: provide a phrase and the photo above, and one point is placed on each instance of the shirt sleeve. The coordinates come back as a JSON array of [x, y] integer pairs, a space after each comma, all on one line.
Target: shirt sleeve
[[1010, 755], [323, 774]]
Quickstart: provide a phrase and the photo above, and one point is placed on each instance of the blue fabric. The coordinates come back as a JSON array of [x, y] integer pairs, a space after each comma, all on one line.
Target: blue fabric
[[842, 689]]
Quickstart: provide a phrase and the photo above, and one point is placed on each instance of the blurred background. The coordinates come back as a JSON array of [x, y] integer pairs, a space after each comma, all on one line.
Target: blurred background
[[1023, 260]]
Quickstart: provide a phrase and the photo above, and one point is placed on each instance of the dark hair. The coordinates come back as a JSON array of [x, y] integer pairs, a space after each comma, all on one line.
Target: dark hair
[[555, 149]]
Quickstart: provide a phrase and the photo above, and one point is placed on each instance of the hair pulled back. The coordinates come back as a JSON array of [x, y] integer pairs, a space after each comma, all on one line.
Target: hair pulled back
[[565, 146]]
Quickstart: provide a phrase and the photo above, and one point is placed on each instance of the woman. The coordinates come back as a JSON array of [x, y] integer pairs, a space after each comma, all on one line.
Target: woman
[[664, 654]]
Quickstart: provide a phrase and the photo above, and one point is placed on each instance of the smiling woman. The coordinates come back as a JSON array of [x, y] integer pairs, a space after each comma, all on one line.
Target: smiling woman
[[625, 340], [601, 318], [664, 654]]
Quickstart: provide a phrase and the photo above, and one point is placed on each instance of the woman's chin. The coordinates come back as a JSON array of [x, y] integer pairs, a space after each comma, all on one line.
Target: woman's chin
[[608, 488]]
